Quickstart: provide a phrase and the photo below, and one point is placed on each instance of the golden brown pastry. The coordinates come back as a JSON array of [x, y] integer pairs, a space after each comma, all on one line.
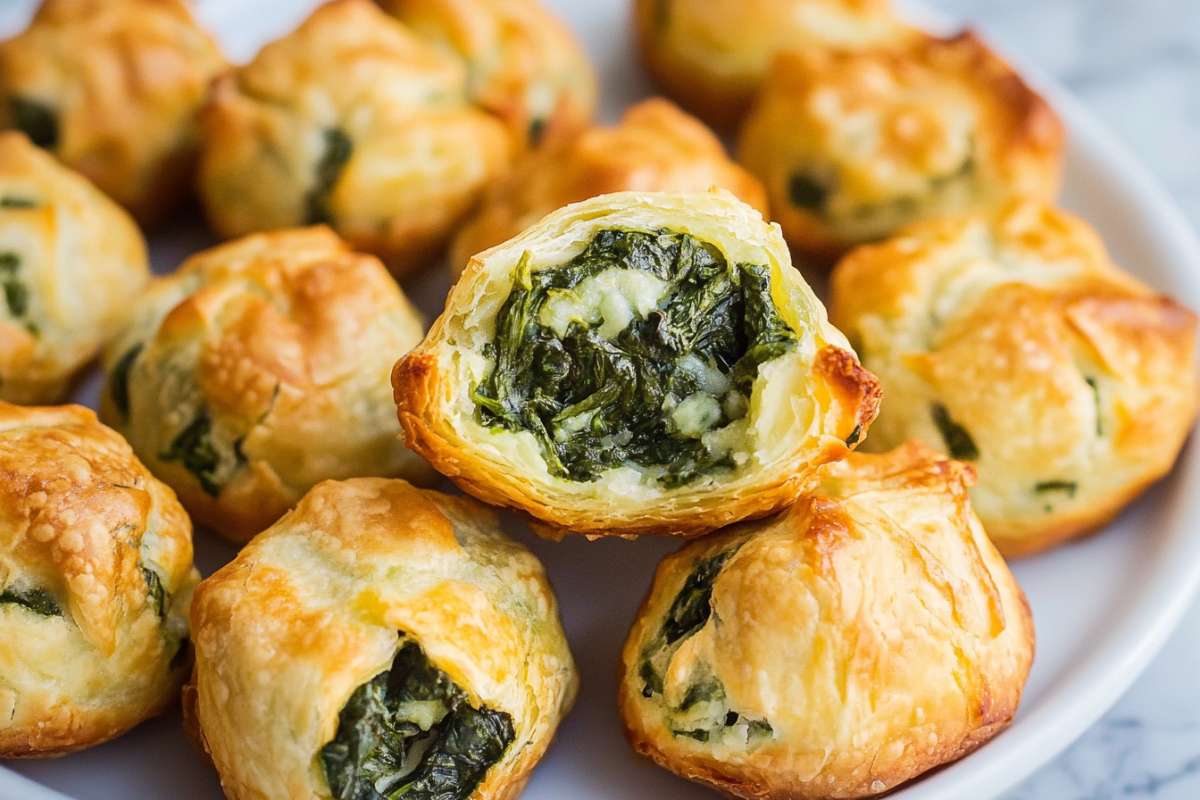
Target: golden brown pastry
[[866, 635], [260, 368], [655, 147], [354, 121], [70, 260], [1012, 341], [95, 581], [711, 55], [638, 363], [379, 640], [523, 64], [112, 88], [854, 145]]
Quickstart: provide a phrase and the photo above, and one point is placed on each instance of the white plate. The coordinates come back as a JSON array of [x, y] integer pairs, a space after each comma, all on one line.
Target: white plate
[[1102, 607]]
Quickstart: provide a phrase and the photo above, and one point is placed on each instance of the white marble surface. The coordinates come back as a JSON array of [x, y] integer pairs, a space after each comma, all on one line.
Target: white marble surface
[[1136, 64]]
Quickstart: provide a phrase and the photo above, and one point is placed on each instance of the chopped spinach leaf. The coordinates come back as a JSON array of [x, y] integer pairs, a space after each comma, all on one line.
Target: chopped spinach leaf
[[1069, 487], [16, 293], [805, 191], [703, 691], [193, 448], [699, 734], [119, 382], [11, 201], [537, 129], [337, 152], [411, 733], [595, 402], [156, 591], [35, 119], [1095, 386], [958, 440], [854, 437], [692, 606], [39, 601]]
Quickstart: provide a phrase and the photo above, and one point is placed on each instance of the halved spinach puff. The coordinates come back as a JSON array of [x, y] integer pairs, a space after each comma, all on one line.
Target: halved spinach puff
[[866, 635], [70, 262], [523, 64], [112, 88], [96, 578], [354, 121], [1011, 340], [379, 641], [711, 55], [854, 145], [655, 147], [636, 363], [260, 368]]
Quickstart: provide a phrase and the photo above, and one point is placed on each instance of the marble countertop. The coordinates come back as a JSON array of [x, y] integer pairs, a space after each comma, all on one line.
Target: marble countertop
[[1136, 65]]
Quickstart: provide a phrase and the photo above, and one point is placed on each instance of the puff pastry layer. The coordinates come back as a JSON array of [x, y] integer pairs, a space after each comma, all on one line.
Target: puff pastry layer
[[70, 260], [853, 145], [602, 358], [654, 148], [112, 88], [866, 635], [96, 578], [1013, 341], [310, 611], [260, 368], [354, 121]]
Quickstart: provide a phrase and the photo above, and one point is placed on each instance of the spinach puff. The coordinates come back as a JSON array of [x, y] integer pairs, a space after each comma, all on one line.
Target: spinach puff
[[655, 147], [112, 87], [635, 363], [1012, 341], [866, 635], [353, 121], [853, 145], [95, 581], [379, 641], [260, 368], [523, 64], [70, 260], [712, 55]]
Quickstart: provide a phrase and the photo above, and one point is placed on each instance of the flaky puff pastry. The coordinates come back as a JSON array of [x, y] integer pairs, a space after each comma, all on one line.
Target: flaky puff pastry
[[655, 147], [523, 64], [853, 145], [1013, 341], [260, 368], [712, 55], [866, 635], [70, 260], [112, 87], [96, 578], [320, 604], [803, 405], [354, 121]]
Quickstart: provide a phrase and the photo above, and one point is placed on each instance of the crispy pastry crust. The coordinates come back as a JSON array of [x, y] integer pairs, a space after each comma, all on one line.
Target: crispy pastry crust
[[1077, 384], [526, 66], [711, 55], [284, 340], [81, 517], [805, 404], [418, 156], [125, 79], [76, 259], [654, 148], [873, 626], [953, 127], [310, 610]]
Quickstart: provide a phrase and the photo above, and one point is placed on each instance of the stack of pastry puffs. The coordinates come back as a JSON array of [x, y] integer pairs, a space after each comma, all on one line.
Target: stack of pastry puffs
[[629, 350]]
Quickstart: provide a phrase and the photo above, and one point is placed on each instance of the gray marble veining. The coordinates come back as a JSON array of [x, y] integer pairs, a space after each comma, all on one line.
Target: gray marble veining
[[1136, 65]]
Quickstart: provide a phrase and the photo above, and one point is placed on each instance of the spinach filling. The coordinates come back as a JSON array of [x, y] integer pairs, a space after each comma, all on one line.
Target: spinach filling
[[337, 152], [119, 381], [16, 292], [12, 201], [665, 351], [193, 447], [411, 733], [805, 191], [1098, 403], [35, 119], [958, 440], [39, 601], [159, 599]]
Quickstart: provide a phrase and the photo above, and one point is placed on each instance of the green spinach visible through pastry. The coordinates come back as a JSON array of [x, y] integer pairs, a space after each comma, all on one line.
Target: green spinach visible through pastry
[[337, 151], [35, 119], [39, 601]]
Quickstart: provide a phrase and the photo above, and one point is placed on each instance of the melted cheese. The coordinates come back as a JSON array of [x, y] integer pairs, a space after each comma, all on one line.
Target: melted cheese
[[612, 298]]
